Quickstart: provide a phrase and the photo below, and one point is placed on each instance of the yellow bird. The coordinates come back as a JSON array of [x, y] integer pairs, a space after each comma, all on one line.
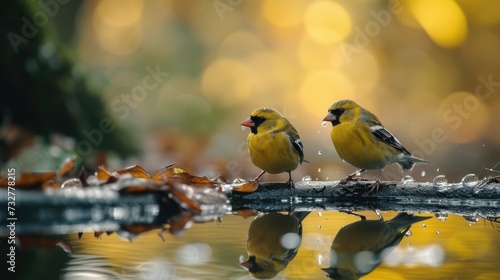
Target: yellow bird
[[361, 140], [273, 241], [274, 144], [358, 248]]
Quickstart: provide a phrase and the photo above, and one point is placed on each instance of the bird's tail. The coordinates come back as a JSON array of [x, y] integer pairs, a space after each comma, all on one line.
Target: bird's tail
[[403, 220], [407, 162]]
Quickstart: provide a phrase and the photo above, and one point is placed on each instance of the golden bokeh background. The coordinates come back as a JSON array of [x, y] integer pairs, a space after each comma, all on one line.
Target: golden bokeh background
[[182, 75], [429, 69]]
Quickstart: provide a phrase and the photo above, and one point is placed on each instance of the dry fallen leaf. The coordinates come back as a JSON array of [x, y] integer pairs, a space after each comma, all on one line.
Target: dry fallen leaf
[[175, 174], [34, 180], [182, 194], [245, 213], [248, 187], [42, 241], [178, 223], [67, 165], [106, 174], [136, 171], [141, 228]]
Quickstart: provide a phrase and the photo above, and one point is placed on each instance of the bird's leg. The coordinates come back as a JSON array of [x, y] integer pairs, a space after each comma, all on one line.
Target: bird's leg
[[290, 181], [374, 186], [378, 214], [352, 176], [258, 176]]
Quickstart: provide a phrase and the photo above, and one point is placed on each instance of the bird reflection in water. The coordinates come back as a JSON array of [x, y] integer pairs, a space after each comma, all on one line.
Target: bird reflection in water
[[273, 241], [358, 248]]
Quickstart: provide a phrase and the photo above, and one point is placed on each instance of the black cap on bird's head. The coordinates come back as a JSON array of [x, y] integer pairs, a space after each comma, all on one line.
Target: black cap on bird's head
[[338, 109], [258, 117]]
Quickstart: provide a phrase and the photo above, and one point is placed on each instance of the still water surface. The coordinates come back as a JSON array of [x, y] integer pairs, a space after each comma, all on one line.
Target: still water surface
[[445, 248]]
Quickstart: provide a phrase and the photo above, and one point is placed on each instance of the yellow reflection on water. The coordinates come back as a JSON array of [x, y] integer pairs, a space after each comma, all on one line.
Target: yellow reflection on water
[[211, 250]]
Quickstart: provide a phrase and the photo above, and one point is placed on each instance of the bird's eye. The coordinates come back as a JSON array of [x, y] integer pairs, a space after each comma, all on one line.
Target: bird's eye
[[257, 120], [337, 112]]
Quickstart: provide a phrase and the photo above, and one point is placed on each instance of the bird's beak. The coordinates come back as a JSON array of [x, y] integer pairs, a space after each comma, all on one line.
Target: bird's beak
[[330, 117], [247, 265], [248, 123], [331, 273]]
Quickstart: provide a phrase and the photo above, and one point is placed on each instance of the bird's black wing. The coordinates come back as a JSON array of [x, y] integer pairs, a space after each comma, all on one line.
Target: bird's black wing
[[299, 147], [294, 138], [385, 136]]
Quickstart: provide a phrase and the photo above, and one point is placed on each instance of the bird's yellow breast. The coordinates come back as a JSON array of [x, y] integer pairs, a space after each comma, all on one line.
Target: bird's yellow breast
[[272, 152], [353, 144]]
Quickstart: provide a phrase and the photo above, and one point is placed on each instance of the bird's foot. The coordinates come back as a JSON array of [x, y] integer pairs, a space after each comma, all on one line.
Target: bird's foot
[[254, 180], [374, 186], [354, 177]]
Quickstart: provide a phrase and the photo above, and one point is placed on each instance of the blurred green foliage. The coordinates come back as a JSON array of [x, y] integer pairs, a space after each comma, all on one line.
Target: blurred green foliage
[[41, 89]]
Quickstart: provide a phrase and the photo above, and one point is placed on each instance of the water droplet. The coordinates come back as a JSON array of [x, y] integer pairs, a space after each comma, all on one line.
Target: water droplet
[[74, 183], [243, 127], [422, 174], [306, 178], [319, 214], [320, 153], [320, 259], [319, 226], [407, 179], [290, 240], [92, 180], [437, 170], [194, 254], [324, 123], [471, 219], [440, 180], [470, 180], [239, 181], [319, 169], [408, 233], [424, 226], [438, 232], [441, 216]]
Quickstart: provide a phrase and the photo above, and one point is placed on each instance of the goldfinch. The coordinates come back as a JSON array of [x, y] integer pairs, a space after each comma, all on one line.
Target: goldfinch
[[273, 241], [358, 248], [361, 140], [273, 143]]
